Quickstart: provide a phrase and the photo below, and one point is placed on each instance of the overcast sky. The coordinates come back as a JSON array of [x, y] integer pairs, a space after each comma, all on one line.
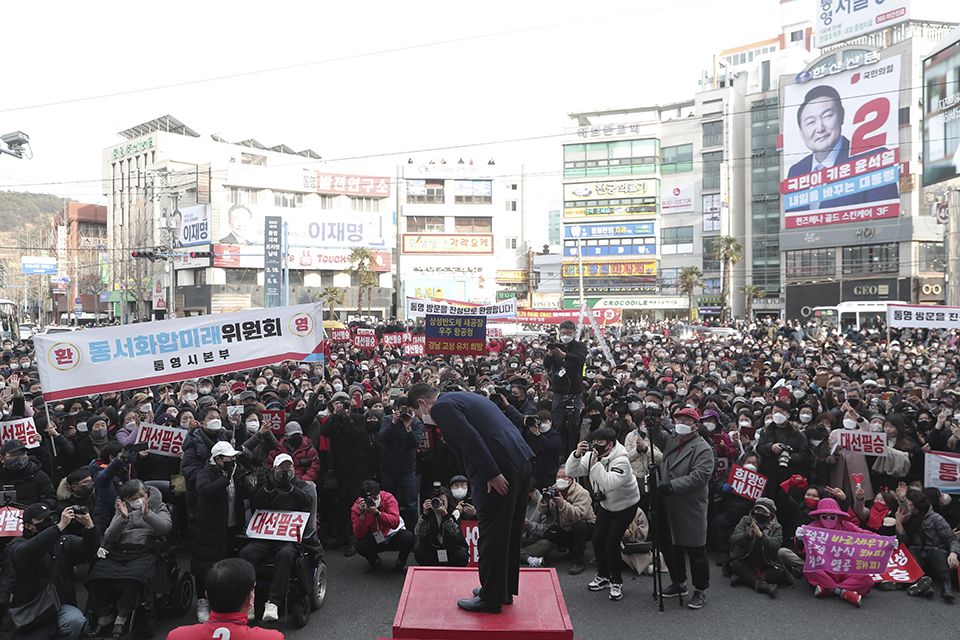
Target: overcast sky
[[360, 79]]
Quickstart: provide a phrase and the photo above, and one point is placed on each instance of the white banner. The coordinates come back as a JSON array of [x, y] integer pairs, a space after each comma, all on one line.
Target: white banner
[[869, 443], [23, 430], [839, 20], [942, 470], [286, 526], [420, 307], [164, 441], [82, 363], [910, 316]]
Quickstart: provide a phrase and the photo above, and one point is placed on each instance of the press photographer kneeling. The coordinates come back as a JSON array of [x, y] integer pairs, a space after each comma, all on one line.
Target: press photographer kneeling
[[440, 539], [570, 505]]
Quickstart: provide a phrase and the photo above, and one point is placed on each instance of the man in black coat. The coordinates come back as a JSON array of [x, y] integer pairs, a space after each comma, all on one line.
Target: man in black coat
[[31, 484], [347, 434], [564, 361], [496, 458]]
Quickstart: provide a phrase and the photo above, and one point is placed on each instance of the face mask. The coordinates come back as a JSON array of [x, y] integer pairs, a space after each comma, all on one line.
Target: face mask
[[566, 339], [811, 503], [14, 366], [886, 367], [651, 405], [633, 406], [261, 387], [253, 426], [681, 392], [459, 493], [779, 418], [836, 369], [806, 417], [739, 390], [745, 423], [684, 429], [562, 483], [545, 426], [945, 499], [798, 393], [296, 440], [377, 503], [205, 390], [816, 443], [213, 425], [748, 379], [849, 424], [337, 386], [189, 397], [711, 426], [761, 518], [146, 409], [767, 420], [137, 504], [709, 391], [98, 435], [752, 467], [641, 384], [16, 464], [86, 490], [131, 425]]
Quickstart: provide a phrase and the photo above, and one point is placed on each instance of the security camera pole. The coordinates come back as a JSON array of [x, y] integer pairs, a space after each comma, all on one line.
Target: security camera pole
[[15, 141]]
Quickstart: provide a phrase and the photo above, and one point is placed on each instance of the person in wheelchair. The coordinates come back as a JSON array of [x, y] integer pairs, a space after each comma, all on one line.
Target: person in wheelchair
[[439, 536], [282, 491], [131, 562]]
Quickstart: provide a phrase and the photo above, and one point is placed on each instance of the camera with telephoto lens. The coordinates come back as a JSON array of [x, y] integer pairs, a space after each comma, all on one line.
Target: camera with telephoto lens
[[79, 510], [435, 503], [405, 414], [370, 501], [553, 344], [531, 421], [549, 494], [785, 452], [652, 415]]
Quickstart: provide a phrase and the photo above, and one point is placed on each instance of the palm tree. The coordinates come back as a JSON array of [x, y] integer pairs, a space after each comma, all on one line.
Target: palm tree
[[332, 296], [752, 291], [730, 252], [361, 261], [689, 279]]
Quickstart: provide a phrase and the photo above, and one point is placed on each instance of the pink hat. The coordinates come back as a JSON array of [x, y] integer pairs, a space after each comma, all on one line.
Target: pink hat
[[828, 506]]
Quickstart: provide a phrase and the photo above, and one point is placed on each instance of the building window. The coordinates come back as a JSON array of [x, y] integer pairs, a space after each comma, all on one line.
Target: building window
[[677, 159], [511, 243], [710, 263], [809, 264], [468, 224], [711, 212], [424, 224], [711, 169], [674, 240], [424, 191], [626, 157], [512, 186], [473, 192], [713, 134], [326, 202], [365, 204], [796, 36], [712, 286], [668, 282], [287, 199], [241, 196], [933, 256], [511, 205], [254, 159], [871, 258]]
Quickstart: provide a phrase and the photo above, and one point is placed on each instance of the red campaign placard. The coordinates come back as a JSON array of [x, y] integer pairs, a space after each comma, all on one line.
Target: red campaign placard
[[426, 440], [11, 522], [494, 332], [23, 430], [393, 339], [365, 341], [161, 440], [471, 531], [746, 483], [723, 468], [416, 347], [870, 443], [287, 526], [276, 419], [901, 567], [340, 335]]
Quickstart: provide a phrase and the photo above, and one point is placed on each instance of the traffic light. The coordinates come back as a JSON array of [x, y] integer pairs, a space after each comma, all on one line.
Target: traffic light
[[149, 255], [201, 254]]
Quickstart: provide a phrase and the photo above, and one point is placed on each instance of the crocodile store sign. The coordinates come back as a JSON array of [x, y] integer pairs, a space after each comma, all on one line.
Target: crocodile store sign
[[133, 147]]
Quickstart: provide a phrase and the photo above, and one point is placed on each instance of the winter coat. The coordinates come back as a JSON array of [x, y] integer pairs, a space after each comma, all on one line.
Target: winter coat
[[789, 434], [400, 447], [31, 484], [577, 506], [208, 528], [347, 447], [934, 533], [260, 446], [612, 477], [546, 447], [65, 498], [107, 479], [388, 522], [306, 460], [428, 531], [50, 557], [688, 468], [742, 543], [640, 461], [539, 522], [55, 465], [295, 498], [139, 529], [196, 451]]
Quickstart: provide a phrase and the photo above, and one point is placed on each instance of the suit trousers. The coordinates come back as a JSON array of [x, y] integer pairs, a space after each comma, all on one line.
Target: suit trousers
[[500, 521]]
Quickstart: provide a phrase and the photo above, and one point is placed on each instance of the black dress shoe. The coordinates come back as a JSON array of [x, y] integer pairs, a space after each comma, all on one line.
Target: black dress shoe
[[476, 592], [477, 605]]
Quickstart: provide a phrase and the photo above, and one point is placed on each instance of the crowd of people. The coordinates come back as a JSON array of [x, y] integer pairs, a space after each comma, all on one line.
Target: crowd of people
[[596, 410]]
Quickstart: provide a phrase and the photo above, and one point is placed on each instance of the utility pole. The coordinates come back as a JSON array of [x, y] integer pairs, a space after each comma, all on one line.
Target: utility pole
[[952, 248]]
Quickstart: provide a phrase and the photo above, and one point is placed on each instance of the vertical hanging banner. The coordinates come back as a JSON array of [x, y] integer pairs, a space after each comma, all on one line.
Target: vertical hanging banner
[[456, 335], [272, 260]]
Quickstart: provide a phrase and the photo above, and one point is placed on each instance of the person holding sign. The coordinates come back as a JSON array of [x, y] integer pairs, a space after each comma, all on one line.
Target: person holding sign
[[851, 587], [929, 538]]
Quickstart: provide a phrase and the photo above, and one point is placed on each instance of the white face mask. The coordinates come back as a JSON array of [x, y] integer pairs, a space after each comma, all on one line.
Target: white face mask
[[377, 502], [681, 392], [562, 483], [641, 384], [213, 425], [709, 391], [779, 418], [633, 406], [337, 386], [767, 420], [205, 390], [747, 379], [806, 417], [253, 426], [426, 418], [185, 424], [816, 443], [752, 467], [137, 504], [849, 424], [745, 423], [147, 408], [711, 426], [798, 393], [545, 426], [566, 339], [459, 493], [739, 390], [131, 425], [683, 429]]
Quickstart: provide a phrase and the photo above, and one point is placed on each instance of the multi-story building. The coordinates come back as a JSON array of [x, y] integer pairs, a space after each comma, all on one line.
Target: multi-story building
[[173, 193], [461, 229], [79, 232]]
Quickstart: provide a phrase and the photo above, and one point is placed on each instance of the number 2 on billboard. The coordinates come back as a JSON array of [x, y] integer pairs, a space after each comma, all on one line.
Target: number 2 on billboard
[[862, 140]]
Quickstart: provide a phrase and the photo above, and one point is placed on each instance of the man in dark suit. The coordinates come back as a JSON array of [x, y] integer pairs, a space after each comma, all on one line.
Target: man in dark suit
[[497, 461], [239, 218], [820, 119]]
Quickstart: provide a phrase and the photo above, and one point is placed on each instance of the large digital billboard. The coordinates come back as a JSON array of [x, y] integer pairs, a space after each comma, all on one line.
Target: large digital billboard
[[841, 144], [941, 115]]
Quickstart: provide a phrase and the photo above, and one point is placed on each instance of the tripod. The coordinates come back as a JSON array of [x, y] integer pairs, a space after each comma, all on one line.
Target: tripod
[[571, 428], [657, 511]]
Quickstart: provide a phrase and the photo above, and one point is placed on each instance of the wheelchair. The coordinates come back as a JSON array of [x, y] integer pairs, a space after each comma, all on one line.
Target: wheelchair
[[176, 600]]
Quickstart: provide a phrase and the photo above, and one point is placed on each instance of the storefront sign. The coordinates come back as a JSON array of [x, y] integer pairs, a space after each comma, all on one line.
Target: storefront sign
[[448, 244], [597, 269]]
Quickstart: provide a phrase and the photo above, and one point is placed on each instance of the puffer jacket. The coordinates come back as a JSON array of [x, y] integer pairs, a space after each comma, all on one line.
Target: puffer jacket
[[577, 507], [306, 460], [141, 529], [612, 477], [934, 533], [742, 543]]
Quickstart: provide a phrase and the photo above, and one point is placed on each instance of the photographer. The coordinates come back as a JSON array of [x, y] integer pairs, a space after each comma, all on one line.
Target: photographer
[[378, 527], [782, 447], [539, 435], [572, 510], [76, 490], [440, 540], [605, 461], [564, 362], [400, 435], [23, 473], [347, 434]]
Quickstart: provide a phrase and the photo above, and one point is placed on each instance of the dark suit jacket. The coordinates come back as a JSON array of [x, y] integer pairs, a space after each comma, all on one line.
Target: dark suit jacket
[[886, 192], [232, 239], [486, 440]]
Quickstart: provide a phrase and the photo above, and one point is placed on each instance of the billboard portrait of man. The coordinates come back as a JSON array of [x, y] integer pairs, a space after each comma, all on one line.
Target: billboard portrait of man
[[240, 219]]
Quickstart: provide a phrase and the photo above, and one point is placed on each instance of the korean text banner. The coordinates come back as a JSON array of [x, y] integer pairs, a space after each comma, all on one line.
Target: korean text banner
[[941, 115], [841, 145], [23, 430], [420, 307], [456, 335], [549, 316], [942, 470], [193, 226], [846, 552], [306, 227], [839, 20], [909, 316], [116, 358]]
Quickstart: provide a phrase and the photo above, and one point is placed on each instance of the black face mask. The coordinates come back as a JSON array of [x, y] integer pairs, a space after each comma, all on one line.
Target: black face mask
[[761, 518], [85, 491], [295, 440], [283, 393], [16, 464], [98, 435], [42, 526]]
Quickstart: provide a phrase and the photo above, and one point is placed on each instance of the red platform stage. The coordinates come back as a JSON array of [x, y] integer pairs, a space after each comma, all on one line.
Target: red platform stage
[[428, 608]]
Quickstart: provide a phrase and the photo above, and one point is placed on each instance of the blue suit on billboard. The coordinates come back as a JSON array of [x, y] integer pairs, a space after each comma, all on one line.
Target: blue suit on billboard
[[490, 445], [886, 192]]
